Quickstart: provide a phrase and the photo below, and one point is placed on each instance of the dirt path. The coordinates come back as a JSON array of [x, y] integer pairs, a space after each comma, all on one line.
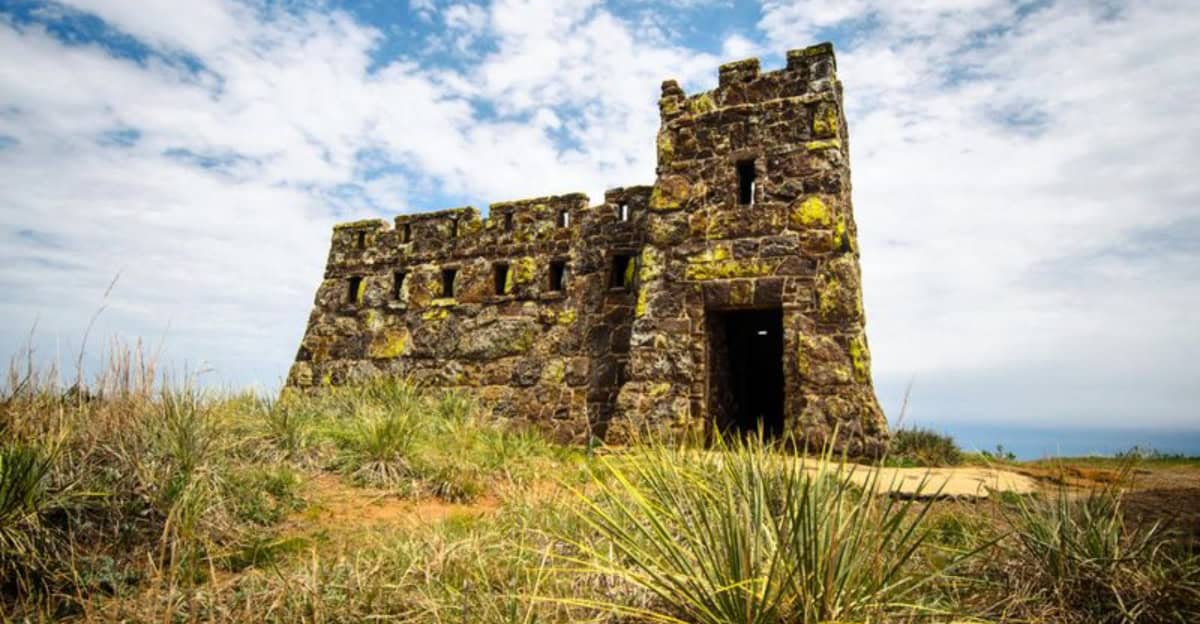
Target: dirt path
[[334, 504], [957, 482]]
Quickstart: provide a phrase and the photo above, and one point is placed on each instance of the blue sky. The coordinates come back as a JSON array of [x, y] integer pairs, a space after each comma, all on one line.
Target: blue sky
[[1024, 172]]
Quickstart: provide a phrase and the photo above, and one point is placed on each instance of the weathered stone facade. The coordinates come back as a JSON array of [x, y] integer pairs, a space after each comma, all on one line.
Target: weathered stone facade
[[726, 294]]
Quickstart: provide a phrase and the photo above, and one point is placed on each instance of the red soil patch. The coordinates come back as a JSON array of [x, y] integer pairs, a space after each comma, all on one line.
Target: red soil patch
[[338, 505]]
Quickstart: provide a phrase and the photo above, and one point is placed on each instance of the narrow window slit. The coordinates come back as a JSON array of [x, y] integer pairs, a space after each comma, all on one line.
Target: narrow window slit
[[407, 237], [354, 289], [361, 240], [558, 270], [622, 272], [398, 285], [448, 276], [500, 278], [564, 218], [508, 221], [623, 211], [745, 176]]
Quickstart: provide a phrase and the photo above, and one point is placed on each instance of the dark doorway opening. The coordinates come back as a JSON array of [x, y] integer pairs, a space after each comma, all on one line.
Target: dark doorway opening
[[746, 370]]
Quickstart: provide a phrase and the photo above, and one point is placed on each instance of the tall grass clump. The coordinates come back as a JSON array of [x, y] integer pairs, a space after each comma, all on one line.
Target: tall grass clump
[[924, 447], [744, 534], [25, 499], [1082, 561]]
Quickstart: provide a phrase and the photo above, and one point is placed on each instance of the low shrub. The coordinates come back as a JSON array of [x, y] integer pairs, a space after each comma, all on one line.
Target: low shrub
[[924, 447]]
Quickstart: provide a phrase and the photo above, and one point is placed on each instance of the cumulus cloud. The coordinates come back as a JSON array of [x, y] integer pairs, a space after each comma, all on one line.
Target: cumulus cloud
[[1021, 169], [208, 170]]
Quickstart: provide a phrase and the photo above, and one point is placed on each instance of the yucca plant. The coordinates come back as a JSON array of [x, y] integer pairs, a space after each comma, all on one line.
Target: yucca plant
[[289, 423], [744, 534], [376, 444], [1093, 566]]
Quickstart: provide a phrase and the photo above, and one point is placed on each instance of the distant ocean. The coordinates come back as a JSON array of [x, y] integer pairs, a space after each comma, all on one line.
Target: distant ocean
[[1033, 443]]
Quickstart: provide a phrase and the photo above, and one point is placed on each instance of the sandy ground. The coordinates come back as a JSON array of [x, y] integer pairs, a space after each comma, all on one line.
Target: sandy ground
[[959, 482]]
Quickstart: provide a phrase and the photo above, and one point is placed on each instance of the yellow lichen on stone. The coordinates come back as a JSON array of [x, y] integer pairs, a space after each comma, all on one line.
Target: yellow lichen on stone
[[658, 390], [629, 272], [728, 269], [701, 105], [554, 372], [860, 357], [827, 295], [665, 149], [523, 271], [814, 146], [812, 211], [669, 193], [825, 121], [389, 344], [327, 379], [361, 291], [566, 317], [802, 364], [436, 314], [444, 302], [362, 223], [715, 252], [651, 269]]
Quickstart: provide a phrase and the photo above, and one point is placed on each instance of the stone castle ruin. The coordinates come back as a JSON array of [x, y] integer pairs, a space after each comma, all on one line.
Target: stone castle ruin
[[724, 297]]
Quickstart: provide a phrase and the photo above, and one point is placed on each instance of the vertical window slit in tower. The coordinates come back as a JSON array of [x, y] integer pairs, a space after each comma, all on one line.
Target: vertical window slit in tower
[[500, 278], [623, 211], [453, 228], [558, 270], [622, 272], [508, 221], [448, 276], [398, 285], [360, 240], [745, 177], [408, 232], [564, 218], [353, 286]]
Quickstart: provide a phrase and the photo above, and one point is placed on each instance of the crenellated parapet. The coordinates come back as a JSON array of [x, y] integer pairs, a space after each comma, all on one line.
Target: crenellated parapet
[[725, 294]]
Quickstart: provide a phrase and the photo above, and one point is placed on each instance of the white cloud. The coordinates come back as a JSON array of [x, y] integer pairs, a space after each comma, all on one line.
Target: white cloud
[[283, 112]]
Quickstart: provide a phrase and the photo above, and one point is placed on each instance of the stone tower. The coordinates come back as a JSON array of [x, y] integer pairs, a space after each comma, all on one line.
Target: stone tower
[[726, 296]]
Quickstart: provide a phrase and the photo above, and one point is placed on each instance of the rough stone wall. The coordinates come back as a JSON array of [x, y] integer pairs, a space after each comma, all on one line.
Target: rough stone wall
[[625, 346]]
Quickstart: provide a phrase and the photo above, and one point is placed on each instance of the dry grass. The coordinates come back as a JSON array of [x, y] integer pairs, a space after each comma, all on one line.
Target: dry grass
[[137, 498]]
